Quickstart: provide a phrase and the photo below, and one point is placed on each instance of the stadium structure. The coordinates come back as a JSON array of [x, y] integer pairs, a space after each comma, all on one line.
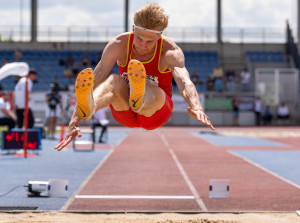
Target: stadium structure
[[271, 57]]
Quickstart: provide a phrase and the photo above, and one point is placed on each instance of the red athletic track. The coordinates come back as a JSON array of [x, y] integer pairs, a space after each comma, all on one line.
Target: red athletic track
[[143, 165]]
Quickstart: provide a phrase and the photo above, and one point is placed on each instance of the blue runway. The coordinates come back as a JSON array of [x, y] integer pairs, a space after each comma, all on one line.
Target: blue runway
[[113, 137], [284, 164], [50, 164], [221, 140]]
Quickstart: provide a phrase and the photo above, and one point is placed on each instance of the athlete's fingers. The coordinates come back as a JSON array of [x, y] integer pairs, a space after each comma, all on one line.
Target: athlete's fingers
[[78, 132], [64, 143], [210, 125], [58, 146], [202, 117], [68, 139], [61, 145], [205, 120]]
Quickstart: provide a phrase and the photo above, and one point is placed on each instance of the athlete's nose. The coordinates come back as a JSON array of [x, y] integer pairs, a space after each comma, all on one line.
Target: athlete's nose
[[143, 46]]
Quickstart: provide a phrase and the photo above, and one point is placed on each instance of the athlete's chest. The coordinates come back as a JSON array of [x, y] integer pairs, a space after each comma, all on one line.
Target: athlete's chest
[[150, 60]]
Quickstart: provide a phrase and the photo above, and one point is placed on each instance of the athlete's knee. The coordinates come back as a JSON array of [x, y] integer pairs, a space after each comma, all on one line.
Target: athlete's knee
[[118, 84], [116, 80]]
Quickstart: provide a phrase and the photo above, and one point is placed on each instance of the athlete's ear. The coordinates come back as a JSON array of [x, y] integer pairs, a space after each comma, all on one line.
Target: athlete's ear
[[132, 28]]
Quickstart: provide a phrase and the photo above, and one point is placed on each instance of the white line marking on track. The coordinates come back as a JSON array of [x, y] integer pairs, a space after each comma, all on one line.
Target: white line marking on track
[[132, 197], [266, 170], [185, 176], [68, 203]]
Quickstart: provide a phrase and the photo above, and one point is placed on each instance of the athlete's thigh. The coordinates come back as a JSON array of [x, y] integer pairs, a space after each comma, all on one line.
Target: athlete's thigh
[[120, 89], [159, 118], [154, 100]]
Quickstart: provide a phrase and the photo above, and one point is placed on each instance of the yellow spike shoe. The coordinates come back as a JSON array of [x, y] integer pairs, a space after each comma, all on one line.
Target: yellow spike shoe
[[137, 80], [84, 94]]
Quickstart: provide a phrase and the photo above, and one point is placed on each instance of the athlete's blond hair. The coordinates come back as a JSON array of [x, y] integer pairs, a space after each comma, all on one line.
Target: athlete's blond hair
[[151, 16]]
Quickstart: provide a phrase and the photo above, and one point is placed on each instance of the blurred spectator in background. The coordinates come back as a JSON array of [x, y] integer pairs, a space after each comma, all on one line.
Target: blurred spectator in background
[[68, 73], [245, 80], [18, 56], [53, 109], [70, 105], [55, 85], [235, 111], [258, 109], [75, 70], [71, 86], [100, 120], [210, 84], [267, 115], [230, 78], [7, 117], [69, 61], [218, 77], [196, 81], [19, 99], [95, 62], [85, 61], [4, 61], [69, 66], [283, 112]]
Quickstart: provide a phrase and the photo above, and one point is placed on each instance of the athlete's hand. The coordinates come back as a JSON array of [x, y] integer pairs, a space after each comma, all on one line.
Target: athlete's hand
[[200, 116], [73, 131]]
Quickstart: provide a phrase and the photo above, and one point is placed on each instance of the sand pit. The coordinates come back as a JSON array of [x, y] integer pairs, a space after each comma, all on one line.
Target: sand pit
[[43, 217]]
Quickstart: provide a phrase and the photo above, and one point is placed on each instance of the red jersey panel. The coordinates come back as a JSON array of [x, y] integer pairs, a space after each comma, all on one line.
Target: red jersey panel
[[151, 66]]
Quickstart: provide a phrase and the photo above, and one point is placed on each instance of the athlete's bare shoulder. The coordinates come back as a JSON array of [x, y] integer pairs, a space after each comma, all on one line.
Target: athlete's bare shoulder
[[121, 39], [171, 53], [119, 42], [117, 47]]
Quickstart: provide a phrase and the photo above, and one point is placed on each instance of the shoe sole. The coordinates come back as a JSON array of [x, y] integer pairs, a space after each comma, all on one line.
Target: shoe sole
[[137, 80], [84, 93]]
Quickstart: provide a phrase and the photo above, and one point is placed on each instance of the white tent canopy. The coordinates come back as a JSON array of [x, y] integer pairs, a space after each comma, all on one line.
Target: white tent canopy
[[16, 68]]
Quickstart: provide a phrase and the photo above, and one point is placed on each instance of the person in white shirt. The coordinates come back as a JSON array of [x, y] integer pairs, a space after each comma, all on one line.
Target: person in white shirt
[[7, 117], [245, 79], [100, 120], [283, 112], [19, 99]]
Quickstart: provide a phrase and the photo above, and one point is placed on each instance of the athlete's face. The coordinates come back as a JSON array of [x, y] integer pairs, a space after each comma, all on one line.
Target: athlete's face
[[144, 41]]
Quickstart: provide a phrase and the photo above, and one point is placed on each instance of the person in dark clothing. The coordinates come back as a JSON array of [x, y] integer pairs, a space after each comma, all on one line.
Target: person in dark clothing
[[53, 109], [267, 115], [235, 111], [7, 117]]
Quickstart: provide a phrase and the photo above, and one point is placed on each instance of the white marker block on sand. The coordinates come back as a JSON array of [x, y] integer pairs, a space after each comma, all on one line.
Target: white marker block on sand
[[218, 188], [58, 187]]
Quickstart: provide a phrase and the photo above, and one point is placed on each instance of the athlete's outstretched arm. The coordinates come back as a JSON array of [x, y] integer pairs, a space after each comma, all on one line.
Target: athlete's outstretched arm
[[187, 89], [102, 70]]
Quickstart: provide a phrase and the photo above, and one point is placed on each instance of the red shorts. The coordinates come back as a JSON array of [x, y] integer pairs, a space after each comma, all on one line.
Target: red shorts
[[132, 120]]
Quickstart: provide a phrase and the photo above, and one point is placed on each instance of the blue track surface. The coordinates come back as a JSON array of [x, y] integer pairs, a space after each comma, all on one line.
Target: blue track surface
[[114, 136], [50, 164], [282, 163], [221, 140]]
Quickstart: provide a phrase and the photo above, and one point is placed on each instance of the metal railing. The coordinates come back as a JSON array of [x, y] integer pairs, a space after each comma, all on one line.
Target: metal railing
[[178, 34]]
